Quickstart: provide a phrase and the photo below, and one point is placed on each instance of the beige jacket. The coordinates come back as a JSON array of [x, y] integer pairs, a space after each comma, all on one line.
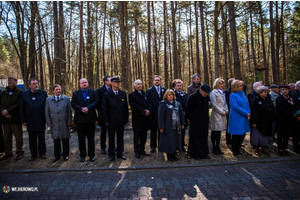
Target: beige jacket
[[218, 114]]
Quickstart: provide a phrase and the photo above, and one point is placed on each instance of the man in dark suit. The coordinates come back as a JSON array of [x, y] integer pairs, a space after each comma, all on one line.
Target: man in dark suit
[[106, 87], [155, 94], [32, 115], [115, 115], [227, 93], [85, 102], [182, 97], [252, 95], [139, 103]]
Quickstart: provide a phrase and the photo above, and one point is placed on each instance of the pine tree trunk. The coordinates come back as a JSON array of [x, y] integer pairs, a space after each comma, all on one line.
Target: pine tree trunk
[[274, 71], [176, 75], [165, 47], [197, 39], [149, 46], [236, 58]]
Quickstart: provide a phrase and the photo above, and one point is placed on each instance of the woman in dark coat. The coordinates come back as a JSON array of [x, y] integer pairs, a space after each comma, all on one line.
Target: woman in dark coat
[[197, 113], [285, 121], [170, 123], [262, 110]]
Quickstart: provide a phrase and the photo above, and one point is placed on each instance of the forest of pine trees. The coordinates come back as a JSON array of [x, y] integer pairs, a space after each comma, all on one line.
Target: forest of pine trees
[[61, 42]]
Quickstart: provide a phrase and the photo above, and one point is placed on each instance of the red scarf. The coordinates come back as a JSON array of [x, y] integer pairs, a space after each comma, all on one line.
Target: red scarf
[[290, 100]]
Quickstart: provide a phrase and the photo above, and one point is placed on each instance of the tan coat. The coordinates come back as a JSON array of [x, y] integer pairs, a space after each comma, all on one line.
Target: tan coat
[[218, 114]]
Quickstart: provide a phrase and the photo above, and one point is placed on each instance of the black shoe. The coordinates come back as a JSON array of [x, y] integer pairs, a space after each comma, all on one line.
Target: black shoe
[[6, 157], [286, 153], [66, 158], [43, 157], [215, 151], [56, 158], [219, 151], [144, 153], [32, 158], [92, 159], [170, 158], [82, 159], [103, 151], [112, 158], [237, 153], [152, 150], [137, 155], [122, 157], [174, 157]]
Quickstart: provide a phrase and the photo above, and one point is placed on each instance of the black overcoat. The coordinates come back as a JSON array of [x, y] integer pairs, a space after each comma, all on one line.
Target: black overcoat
[[115, 109], [227, 93], [251, 96], [262, 114], [169, 140], [32, 110], [197, 114], [139, 103], [154, 103], [285, 121], [182, 99], [101, 91], [92, 102]]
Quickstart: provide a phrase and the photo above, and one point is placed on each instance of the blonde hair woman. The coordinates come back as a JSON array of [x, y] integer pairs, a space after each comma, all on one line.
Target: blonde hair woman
[[218, 114], [170, 122], [238, 117]]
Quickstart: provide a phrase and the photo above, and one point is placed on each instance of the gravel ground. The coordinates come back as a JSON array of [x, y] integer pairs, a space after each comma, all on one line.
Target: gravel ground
[[156, 159]]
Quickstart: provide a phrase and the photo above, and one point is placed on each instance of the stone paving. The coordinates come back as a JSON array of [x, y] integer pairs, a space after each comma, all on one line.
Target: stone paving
[[264, 180]]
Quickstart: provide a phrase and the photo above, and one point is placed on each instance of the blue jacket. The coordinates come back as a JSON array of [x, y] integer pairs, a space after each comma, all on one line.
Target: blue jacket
[[238, 120]]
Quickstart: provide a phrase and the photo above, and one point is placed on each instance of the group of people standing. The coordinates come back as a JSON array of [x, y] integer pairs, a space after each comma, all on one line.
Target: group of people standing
[[166, 112]]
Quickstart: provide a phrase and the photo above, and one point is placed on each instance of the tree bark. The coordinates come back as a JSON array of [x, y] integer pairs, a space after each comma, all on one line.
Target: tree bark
[[149, 46], [80, 42], [32, 50], [103, 43], [62, 47], [155, 42], [165, 46], [176, 75], [90, 57], [263, 44], [283, 45], [197, 39], [123, 43], [216, 23], [56, 44], [274, 71], [236, 58]]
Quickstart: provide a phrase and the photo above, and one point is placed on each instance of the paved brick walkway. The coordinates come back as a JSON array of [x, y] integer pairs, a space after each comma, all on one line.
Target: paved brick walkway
[[279, 180]]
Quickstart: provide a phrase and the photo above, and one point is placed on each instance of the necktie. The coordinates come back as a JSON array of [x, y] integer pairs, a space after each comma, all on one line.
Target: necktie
[[116, 93], [158, 91], [84, 95], [57, 98]]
